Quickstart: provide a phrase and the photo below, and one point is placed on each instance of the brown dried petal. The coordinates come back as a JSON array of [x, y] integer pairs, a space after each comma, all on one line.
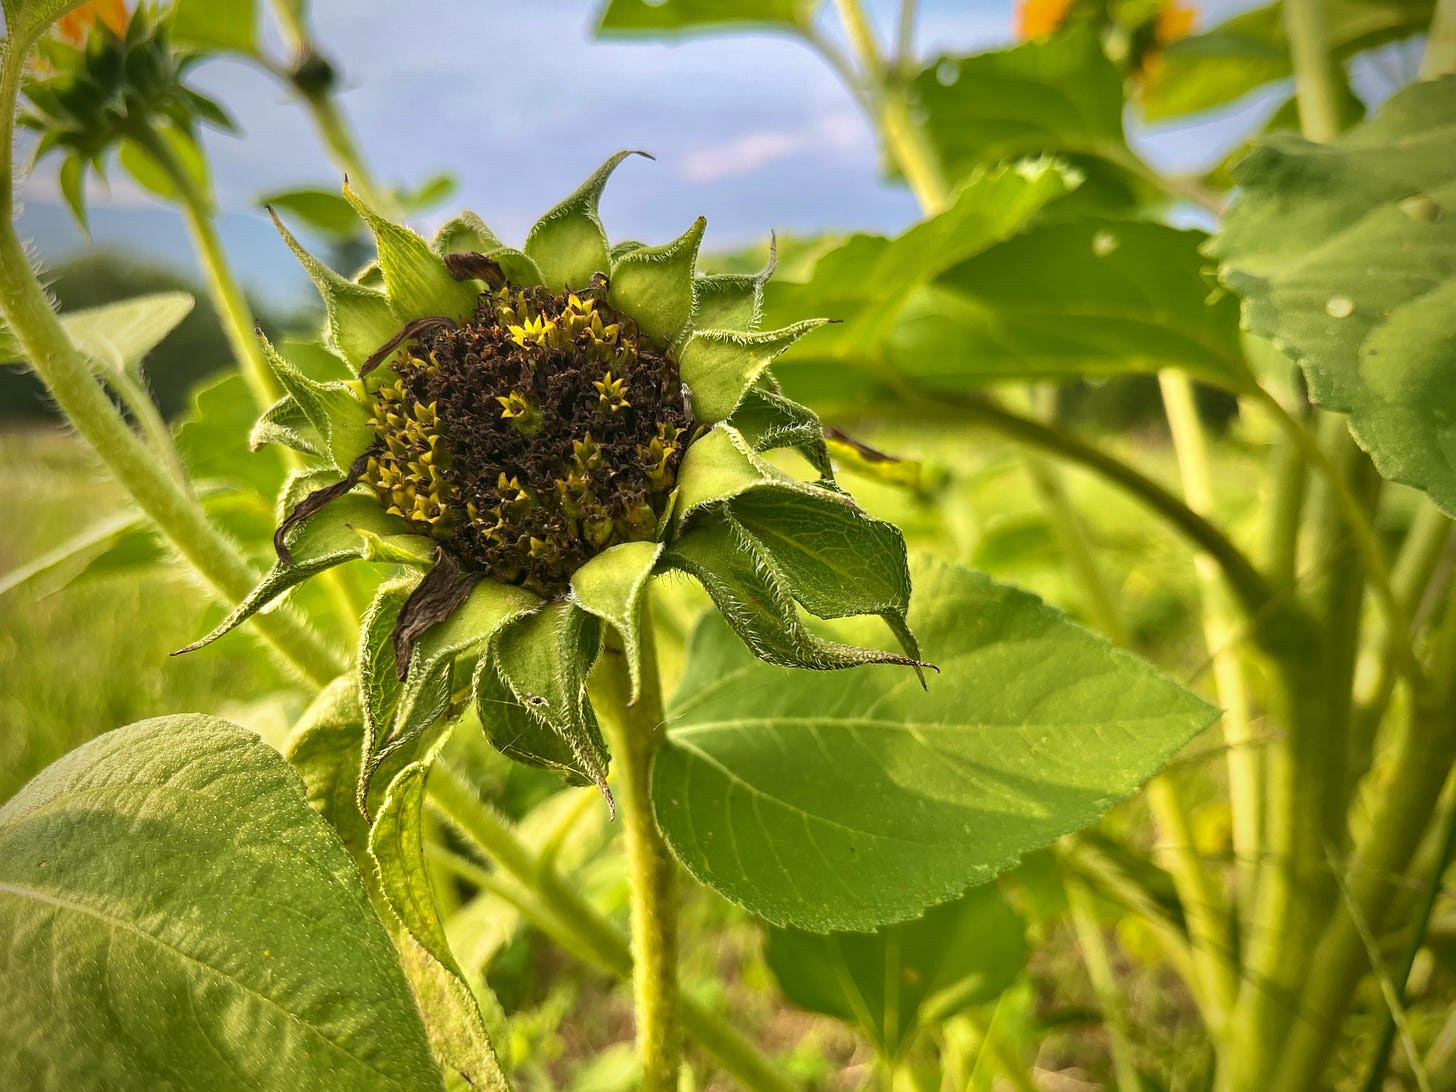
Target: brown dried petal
[[434, 599], [413, 328], [314, 502]]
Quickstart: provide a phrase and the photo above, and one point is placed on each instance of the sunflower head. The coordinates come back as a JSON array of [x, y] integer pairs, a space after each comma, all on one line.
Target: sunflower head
[[536, 433], [540, 432]]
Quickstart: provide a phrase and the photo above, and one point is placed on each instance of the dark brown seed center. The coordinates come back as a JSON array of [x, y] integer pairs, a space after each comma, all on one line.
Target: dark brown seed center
[[532, 438]]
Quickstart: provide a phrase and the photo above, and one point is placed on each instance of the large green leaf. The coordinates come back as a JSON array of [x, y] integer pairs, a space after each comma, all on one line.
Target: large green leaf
[[1345, 256], [1061, 95], [690, 16], [903, 977], [867, 281], [177, 917], [1088, 297], [1228, 61], [852, 800]]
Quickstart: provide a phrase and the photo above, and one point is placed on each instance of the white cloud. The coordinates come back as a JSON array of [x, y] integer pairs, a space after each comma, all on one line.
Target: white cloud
[[837, 132]]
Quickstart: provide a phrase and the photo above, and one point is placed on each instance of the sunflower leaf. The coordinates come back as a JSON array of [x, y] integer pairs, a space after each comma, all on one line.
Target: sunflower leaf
[[453, 1021], [1345, 256], [768, 421], [845, 803], [721, 465], [543, 660], [400, 715], [836, 560], [720, 366], [756, 599], [172, 867]]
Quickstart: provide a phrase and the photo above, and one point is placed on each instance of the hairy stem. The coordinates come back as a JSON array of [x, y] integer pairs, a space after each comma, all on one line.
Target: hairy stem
[[635, 731], [560, 910], [68, 377]]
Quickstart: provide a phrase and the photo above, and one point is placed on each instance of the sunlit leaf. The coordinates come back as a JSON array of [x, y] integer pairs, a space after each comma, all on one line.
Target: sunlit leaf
[[178, 917], [851, 800], [453, 1021], [1057, 96], [1346, 258], [1089, 297]]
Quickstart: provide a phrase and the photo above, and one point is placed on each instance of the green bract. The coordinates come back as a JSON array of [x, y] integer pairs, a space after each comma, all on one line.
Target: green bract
[[541, 431]]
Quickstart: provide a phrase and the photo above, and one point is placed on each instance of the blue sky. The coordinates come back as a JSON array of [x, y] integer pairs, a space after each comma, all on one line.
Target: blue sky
[[520, 101]]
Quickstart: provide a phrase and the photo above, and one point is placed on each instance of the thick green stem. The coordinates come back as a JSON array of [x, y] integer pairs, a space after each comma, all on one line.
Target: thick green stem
[[561, 911], [634, 732], [1357, 525], [1220, 631], [68, 377], [1314, 85], [1420, 765]]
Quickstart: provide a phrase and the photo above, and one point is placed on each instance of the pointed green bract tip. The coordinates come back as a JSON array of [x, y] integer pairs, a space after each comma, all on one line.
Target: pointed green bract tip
[[654, 284], [569, 244], [360, 319], [721, 365], [733, 301], [415, 279]]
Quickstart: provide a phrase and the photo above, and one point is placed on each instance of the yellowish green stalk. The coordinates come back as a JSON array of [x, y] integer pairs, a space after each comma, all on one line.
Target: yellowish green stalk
[[1439, 57], [634, 732], [1093, 947], [227, 295], [1220, 633], [69, 378]]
